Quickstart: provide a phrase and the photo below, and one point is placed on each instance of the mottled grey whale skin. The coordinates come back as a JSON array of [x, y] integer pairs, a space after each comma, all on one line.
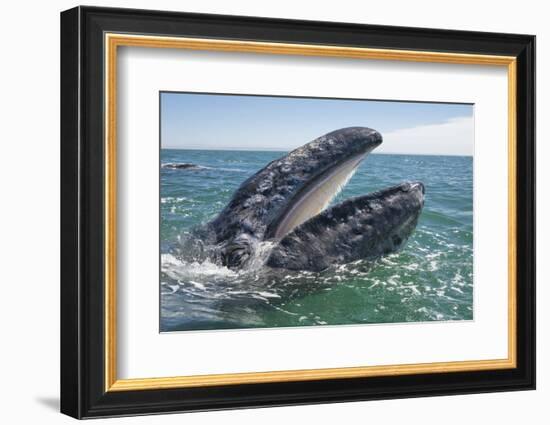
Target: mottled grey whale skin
[[365, 227], [260, 203]]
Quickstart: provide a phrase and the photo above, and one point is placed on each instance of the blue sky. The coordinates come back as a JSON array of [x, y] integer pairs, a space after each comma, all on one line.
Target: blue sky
[[206, 121]]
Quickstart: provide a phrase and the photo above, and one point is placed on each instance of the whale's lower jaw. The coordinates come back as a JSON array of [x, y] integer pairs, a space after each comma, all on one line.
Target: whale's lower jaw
[[363, 228]]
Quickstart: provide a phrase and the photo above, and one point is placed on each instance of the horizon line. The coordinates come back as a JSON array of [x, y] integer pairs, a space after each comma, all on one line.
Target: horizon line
[[230, 149]]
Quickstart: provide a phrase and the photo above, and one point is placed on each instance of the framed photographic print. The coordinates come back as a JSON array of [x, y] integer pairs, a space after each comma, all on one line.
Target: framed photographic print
[[261, 212]]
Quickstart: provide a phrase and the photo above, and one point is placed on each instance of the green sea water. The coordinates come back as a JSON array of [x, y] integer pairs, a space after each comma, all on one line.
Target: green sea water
[[430, 279]]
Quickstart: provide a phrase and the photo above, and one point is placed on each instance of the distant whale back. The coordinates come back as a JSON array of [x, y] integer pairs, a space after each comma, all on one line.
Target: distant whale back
[[181, 166]]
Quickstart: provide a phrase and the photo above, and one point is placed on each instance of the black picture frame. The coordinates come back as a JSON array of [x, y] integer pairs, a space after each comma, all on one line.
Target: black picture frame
[[83, 392]]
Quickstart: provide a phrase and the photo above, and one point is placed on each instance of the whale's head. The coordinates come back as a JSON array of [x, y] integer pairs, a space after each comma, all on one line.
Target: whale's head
[[289, 191], [365, 227]]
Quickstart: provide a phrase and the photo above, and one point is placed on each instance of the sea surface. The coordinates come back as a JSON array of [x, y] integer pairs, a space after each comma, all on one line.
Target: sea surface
[[430, 279]]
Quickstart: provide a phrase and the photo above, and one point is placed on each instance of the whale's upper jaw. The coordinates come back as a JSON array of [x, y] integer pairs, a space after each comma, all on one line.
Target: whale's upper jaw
[[268, 193]]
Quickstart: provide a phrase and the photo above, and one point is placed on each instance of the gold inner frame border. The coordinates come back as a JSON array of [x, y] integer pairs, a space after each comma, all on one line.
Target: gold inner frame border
[[111, 43]]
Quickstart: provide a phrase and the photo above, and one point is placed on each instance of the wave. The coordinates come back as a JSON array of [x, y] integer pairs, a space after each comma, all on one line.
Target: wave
[[235, 170]]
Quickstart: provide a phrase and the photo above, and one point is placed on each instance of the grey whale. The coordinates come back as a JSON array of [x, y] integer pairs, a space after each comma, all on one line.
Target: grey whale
[[181, 166], [285, 203]]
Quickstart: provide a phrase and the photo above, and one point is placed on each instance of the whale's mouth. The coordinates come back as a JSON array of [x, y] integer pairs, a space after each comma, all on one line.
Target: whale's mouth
[[315, 196]]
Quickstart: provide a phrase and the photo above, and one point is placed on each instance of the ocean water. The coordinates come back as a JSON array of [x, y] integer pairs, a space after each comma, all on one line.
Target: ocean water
[[430, 279]]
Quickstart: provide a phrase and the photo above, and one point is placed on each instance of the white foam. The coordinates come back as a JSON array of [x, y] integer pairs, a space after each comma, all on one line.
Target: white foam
[[176, 268], [170, 199]]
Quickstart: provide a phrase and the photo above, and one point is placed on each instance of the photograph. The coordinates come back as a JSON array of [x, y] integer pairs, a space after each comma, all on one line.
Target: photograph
[[280, 211]]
